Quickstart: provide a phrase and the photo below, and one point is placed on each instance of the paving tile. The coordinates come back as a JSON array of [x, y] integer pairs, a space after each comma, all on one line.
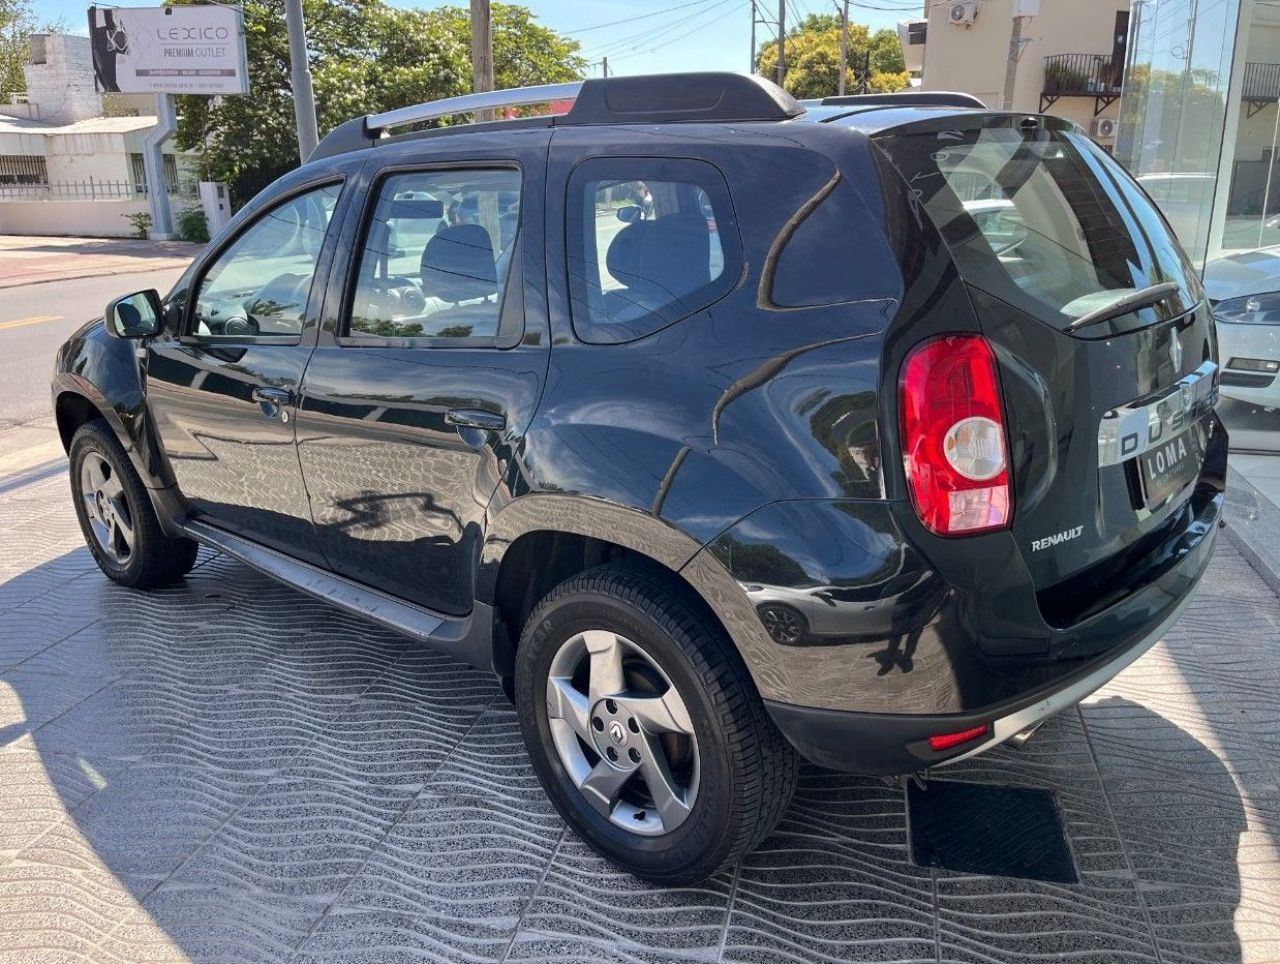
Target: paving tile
[[227, 770], [584, 904], [375, 936], [295, 836], [55, 912]]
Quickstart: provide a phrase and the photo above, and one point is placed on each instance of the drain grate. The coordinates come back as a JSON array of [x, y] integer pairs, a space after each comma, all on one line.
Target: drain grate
[[980, 829]]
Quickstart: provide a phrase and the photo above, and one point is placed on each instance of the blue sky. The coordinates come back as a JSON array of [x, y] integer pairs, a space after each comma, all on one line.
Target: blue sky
[[667, 34]]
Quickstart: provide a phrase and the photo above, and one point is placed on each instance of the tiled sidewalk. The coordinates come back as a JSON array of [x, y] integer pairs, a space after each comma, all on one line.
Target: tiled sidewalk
[[228, 770]]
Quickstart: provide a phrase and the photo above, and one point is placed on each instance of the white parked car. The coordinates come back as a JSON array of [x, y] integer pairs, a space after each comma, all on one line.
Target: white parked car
[[1245, 291]]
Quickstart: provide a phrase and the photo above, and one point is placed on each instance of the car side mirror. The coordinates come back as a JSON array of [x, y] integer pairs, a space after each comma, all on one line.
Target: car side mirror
[[138, 315], [629, 213]]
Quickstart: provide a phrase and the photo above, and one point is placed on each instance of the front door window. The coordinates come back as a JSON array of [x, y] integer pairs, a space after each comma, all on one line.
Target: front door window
[[259, 286]]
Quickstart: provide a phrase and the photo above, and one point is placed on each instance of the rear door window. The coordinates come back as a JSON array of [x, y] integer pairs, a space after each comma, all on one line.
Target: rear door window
[[1044, 219], [436, 256], [650, 241]]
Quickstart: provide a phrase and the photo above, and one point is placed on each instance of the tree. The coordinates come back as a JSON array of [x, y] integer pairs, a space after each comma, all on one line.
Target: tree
[[366, 57], [525, 53], [17, 23], [813, 58]]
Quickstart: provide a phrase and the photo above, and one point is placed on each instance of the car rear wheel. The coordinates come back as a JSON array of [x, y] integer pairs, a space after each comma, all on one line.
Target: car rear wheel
[[645, 727], [116, 516]]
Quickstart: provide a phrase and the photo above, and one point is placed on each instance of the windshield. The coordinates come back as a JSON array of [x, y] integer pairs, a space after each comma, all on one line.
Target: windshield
[[1043, 220]]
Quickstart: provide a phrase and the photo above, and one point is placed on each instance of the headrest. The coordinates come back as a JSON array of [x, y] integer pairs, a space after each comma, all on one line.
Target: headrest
[[673, 252], [623, 257], [457, 264]]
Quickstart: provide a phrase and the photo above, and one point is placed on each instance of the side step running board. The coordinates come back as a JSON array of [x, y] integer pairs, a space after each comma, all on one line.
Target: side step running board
[[467, 637]]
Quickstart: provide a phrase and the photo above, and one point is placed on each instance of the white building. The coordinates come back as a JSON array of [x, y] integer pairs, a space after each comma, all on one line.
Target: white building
[[64, 167]]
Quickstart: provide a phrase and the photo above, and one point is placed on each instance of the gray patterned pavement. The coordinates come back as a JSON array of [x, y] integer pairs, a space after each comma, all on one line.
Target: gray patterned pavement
[[228, 770]]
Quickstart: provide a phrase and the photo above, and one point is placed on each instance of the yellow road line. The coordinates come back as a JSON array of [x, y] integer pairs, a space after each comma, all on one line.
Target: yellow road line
[[33, 320]]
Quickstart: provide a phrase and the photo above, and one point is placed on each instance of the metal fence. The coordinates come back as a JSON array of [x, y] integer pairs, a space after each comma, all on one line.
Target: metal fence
[[1082, 74], [92, 189]]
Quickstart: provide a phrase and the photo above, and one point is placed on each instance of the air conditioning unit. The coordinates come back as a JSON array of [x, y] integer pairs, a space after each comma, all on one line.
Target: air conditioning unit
[[1104, 128], [963, 13]]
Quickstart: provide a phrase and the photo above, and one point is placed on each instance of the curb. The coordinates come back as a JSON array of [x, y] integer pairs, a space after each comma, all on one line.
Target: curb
[[1253, 527]]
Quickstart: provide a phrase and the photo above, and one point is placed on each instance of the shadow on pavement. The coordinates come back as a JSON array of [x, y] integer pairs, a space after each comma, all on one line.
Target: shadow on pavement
[[227, 769]]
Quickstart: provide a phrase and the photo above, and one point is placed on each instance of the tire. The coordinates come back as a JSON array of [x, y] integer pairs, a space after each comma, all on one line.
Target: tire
[[734, 770], [116, 516]]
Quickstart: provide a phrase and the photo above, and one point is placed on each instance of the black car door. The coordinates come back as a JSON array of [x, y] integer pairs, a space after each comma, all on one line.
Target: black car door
[[430, 361], [222, 384]]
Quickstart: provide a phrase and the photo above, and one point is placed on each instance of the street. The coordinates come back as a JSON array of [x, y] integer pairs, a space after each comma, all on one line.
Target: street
[[34, 321]]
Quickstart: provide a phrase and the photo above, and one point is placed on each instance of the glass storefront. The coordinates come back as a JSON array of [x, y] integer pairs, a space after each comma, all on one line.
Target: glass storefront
[[1175, 107], [1200, 128]]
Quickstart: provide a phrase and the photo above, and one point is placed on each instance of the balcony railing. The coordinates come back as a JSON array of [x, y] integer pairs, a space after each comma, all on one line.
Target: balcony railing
[[1082, 75], [1261, 86]]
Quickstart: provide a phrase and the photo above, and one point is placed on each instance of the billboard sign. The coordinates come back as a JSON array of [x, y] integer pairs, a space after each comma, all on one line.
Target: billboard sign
[[187, 49]]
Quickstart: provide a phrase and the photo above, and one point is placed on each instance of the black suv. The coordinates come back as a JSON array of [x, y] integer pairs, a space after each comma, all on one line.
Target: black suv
[[725, 430]]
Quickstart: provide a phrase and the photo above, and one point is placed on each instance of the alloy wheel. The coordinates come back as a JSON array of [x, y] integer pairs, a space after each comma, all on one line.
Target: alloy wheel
[[106, 508], [622, 732]]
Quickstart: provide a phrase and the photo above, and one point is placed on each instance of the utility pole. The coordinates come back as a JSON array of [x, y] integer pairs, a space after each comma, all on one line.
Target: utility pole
[[304, 98], [604, 63], [481, 51], [844, 45], [782, 42], [1015, 54], [752, 67]]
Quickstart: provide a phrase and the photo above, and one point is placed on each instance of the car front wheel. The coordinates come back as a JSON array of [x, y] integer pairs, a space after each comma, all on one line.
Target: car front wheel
[[645, 727], [116, 516]]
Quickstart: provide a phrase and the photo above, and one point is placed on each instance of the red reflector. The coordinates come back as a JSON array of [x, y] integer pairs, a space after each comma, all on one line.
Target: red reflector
[[953, 436], [946, 741]]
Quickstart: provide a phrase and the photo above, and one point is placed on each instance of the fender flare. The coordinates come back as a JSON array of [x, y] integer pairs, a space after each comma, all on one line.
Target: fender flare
[[648, 535], [165, 499]]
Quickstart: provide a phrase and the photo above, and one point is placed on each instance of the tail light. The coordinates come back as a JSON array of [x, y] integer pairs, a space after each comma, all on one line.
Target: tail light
[[953, 436]]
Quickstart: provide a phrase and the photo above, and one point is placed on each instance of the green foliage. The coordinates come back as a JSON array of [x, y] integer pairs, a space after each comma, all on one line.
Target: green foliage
[[366, 57], [140, 221], [193, 225], [813, 58]]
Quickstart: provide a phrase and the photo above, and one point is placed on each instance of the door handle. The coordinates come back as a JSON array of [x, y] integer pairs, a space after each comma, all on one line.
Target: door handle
[[267, 395], [476, 418]]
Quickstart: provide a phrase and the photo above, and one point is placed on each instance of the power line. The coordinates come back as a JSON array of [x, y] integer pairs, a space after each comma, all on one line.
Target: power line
[[710, 23], [644, 36], [616, 41], [643, 16]]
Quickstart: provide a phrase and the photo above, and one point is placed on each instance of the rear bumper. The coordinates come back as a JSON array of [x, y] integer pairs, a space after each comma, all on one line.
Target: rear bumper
[[884, 743]]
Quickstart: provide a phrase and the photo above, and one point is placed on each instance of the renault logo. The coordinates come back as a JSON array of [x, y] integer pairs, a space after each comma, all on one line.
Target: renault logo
[[617, 733]]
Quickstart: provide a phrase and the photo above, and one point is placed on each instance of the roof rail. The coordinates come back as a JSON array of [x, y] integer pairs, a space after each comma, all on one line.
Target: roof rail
[[485, 100], [907, 98], [652, 99]]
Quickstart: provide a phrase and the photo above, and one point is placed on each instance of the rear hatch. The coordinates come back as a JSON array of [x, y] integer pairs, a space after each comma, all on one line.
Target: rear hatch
[[1105, 345]]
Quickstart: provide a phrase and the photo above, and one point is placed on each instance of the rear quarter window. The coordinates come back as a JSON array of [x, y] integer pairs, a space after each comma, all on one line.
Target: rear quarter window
[[649, 242]]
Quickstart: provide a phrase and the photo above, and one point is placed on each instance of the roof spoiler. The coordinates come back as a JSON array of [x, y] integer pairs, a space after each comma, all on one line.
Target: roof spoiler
[[654, 99], [907, 98]]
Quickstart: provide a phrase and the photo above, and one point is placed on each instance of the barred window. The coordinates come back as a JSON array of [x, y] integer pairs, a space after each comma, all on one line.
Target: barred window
[[139, 171], [23, 169]]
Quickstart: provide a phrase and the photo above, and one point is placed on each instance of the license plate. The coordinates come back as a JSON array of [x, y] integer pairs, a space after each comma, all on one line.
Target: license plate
[[1168, 466]]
